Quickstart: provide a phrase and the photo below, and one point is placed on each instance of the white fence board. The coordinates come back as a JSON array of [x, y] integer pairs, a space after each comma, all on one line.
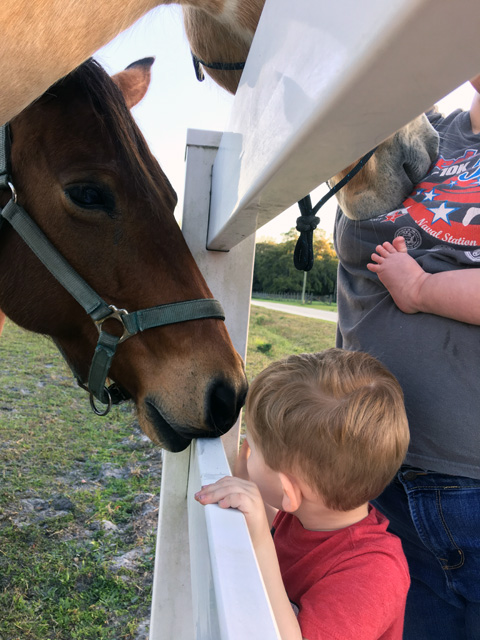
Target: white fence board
[[229, 599], [324, 83], [172, 594]]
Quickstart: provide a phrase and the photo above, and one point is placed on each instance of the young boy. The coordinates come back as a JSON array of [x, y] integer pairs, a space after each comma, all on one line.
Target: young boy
[[451, 294], [326, 433]]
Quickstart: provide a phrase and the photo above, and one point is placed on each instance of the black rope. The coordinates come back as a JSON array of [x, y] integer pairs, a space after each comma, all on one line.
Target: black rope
[[308, 221]]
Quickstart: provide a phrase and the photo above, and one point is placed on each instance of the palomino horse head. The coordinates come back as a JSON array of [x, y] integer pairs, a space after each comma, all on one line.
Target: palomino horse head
[[221, 33], [397, 165], [83, 172]]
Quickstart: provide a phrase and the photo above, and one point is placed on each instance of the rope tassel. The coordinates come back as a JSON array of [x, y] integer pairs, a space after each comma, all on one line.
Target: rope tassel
[[308, 221], [306, 225]]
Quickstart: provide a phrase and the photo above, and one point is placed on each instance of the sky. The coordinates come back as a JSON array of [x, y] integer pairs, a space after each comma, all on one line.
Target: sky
[[176, 101]]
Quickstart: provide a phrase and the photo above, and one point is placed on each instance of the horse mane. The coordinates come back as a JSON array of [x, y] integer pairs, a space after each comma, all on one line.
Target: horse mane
[[108, 105]]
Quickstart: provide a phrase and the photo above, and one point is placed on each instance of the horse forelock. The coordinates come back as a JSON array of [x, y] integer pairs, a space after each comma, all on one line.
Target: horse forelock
[[107, 104]]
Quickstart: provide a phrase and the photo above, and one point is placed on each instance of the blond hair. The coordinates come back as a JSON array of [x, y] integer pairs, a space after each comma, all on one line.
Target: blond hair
[[336, 418]]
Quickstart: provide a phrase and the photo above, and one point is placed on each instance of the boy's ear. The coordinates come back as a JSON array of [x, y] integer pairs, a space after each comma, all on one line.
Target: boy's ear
[[292, 493]]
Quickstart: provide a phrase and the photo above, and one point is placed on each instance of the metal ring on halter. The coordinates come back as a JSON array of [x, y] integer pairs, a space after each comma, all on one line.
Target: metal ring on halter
[[14, 192], [116, 314], [109, 404]]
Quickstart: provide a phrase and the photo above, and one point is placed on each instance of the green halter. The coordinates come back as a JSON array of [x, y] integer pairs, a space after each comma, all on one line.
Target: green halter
[[93, 304]]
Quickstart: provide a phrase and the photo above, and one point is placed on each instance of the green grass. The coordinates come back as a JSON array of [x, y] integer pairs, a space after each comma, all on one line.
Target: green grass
[[56, 579], [286, 334], [57, 575]]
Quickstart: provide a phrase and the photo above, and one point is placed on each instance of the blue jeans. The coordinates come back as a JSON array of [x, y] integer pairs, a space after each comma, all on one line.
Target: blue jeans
[[437, 518]]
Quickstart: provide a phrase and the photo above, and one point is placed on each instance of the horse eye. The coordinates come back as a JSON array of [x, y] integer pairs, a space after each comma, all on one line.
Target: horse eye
[[91, 197]]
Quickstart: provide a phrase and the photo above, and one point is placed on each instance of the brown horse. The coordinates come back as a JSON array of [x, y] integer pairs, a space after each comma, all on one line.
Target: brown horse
[[83, 172]]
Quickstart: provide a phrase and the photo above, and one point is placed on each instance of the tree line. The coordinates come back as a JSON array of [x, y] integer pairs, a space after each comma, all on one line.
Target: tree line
[[274, 271]]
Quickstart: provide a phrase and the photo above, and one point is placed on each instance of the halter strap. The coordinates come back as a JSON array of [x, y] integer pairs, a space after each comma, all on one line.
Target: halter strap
[[89, 299], [219, 66], [4, 156]]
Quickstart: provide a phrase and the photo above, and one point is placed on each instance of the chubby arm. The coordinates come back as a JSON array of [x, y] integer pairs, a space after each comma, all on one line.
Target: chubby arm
[[236, 493], [451, 294]]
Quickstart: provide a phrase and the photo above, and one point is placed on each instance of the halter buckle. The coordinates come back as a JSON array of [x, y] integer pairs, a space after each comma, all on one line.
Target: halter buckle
[[116, 314]]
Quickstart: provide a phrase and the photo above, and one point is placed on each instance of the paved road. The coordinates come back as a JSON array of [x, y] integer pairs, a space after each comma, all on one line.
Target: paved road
[[306, 311]]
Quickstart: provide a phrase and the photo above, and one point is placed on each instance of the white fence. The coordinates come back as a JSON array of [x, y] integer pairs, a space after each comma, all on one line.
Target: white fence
[[207, 585], [324, 83]]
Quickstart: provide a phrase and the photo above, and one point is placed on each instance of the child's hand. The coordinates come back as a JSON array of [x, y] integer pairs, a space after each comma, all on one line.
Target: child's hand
[[235, 493], [240, 469]]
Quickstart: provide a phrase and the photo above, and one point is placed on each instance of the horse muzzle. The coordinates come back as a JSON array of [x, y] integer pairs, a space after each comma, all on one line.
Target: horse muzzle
[[221, 409]]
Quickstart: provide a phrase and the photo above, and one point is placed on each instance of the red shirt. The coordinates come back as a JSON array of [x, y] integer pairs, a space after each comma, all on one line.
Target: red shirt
[[349, 584]]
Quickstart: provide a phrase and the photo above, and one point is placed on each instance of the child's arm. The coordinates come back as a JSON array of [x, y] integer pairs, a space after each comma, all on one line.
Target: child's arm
[[241, 471], [451, 294], [245, 496]]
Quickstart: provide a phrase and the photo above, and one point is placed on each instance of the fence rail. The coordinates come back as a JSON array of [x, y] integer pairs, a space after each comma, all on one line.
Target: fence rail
[[318, 92]]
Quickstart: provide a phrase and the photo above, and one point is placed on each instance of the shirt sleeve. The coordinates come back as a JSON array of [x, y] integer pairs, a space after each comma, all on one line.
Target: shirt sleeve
[[363, 598]]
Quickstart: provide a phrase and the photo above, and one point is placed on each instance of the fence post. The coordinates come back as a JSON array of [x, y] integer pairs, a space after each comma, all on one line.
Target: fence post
[[229, 276]]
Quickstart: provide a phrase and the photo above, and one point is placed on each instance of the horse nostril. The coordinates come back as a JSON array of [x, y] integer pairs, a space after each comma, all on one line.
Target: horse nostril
[[223, 407]]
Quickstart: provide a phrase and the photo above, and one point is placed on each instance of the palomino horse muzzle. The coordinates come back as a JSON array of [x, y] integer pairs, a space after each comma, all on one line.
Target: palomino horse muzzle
[[99, 311]]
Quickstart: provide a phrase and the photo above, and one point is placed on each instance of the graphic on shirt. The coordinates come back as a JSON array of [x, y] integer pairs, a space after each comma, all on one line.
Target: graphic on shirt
[[393, 215], [444, 203], [413, 238], [474, 256]]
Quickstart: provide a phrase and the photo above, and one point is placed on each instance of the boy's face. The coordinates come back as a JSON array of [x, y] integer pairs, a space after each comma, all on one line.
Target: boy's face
[[267, 480]]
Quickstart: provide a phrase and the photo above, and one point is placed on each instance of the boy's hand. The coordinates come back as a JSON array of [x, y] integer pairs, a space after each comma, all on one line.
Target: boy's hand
[[235, 493]]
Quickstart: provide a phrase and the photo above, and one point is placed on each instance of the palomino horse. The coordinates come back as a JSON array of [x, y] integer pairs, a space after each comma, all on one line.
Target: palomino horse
[[219, 31], [55, 37], [82, 170], [390, 175]]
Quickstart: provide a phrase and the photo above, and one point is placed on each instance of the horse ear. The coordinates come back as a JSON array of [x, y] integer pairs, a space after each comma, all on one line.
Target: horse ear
[[134, 81]]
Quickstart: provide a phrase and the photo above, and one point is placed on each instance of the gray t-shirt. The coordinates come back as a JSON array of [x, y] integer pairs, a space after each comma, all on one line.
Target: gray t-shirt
[[436, 360]]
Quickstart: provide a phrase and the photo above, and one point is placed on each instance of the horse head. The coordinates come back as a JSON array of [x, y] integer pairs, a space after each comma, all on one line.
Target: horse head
[[390, 175], [221, 34], [84, 173]]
